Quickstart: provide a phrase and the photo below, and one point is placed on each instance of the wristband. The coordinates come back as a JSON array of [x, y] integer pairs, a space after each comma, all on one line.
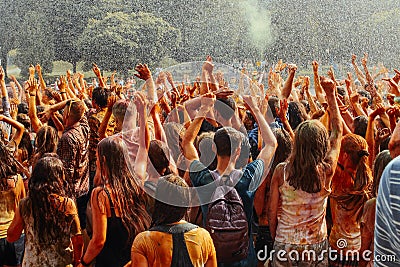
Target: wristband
[[63, 92], [32, 95]]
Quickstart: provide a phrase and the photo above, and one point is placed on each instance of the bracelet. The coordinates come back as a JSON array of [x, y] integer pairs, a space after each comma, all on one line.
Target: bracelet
[[84, 263], [63, 92], [32, 95]]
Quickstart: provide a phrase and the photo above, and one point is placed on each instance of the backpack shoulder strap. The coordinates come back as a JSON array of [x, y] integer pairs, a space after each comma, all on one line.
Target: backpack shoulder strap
[[180, 254]]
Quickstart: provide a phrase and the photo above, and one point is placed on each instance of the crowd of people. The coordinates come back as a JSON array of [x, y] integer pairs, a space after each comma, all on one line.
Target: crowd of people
[[198, 174]]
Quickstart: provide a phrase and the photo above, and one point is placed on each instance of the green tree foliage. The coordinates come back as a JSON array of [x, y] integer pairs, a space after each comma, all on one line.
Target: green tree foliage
[[120, 40]]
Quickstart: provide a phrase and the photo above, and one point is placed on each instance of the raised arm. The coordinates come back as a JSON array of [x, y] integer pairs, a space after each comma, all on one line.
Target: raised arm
[[141, 158], [317, 84], [16, 125], [270, 144], [97, 72], [40, 77], [144, 74], [337, 128], [287, 86], [32, 112], [359, 74], [189, 150]]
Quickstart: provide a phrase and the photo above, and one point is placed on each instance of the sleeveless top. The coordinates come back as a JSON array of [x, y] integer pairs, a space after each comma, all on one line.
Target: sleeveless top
[[116, 251], [302, 217]]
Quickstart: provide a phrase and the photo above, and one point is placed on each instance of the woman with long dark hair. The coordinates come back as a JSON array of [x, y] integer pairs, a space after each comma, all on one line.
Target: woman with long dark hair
[[172, 241], [118, 207], [300, 188], [49, 219], [46, 142]]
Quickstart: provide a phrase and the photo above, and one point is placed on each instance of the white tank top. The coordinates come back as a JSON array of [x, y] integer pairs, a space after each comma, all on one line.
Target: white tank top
[[302, 217]]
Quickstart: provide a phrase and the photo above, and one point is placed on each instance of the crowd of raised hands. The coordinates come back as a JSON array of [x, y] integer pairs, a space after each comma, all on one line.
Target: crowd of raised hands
[[368, 102]]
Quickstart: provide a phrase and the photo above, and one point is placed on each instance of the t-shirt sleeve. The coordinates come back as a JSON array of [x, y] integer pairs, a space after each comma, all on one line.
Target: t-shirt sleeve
[[254, 172]]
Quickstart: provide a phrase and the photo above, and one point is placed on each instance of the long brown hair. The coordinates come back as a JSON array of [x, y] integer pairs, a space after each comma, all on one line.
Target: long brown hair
[[357, 149], [310, 147], [124, 186], [47, 178]]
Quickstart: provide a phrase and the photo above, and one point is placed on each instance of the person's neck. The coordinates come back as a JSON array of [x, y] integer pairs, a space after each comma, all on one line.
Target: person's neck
[[225, 164]]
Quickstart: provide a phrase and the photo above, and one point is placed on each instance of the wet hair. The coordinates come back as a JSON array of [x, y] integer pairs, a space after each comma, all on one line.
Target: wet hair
[[357, 149], [226, 107], [24, 120], [309, 150], [23, 108], [385, 144], [159, 156], [360, 125], [46, 142], [171, 188], [284, 147], [26, 146], [39, 109], [100, 96], [47, 178], [227, 140], [174, 133], [381, 161], [204, 144], [273, 103], [297, 114], [8, 163], [77, 109], [124, 186], [341, 91], [120, 108]]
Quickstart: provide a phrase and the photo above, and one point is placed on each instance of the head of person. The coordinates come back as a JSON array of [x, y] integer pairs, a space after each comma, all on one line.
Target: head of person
[[360, 125], [159, 157], [100, 97], [273, 104], [204, 144], [224, 109], [354, 155], [249, 121], [227, 142], [297, 114], [113, 170], [380, 163], [73, 112], [46, 141], [310, 147], [172, 200], [23, 108], [119, 110], [47, 97], [47, 181]]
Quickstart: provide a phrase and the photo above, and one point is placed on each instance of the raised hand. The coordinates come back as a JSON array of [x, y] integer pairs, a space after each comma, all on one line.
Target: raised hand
[[381, 135], [31, 71], [96, 70], [280, 66], [282, 111], [38, 69], [353, 59], [144, 72], [292, 68], [33, 86], [364, 60], [315, 66], [208, 66], [328, 85]]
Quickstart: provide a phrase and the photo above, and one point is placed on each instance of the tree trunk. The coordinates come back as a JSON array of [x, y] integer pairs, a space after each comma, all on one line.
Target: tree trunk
[[74, 64]]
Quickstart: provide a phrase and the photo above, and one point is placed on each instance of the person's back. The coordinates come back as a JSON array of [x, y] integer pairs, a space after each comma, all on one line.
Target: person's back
[[302, 214], [171, 241], [53, 252], [158, 246]]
